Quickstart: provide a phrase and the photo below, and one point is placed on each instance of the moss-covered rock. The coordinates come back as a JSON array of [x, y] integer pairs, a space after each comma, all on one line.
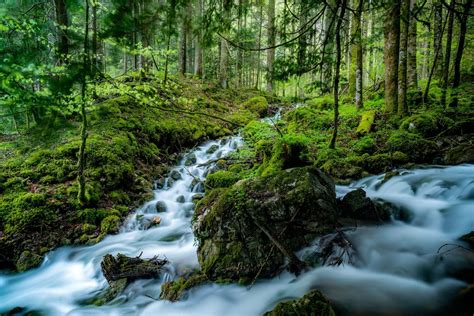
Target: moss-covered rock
[[28, 260], [366, 122], [233, 225], [413, 145], [258, 104], [313, 303], [426, 124], [356, 205], [463, 153], [221, 179], [175, 290]]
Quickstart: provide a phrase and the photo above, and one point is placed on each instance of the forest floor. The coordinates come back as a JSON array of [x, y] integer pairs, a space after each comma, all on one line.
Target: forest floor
[[138, 127]]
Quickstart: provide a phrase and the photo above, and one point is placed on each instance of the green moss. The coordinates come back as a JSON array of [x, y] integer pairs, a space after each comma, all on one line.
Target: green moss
[[426, 124], [110, 224], [28, 260], [312, 304], [366, 122], [364, 145], [175, 290], [325, 102], [258, 104], [413, 145], [221, 179]]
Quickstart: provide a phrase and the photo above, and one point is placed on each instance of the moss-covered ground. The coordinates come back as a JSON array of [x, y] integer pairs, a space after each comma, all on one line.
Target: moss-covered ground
[[136, 127]]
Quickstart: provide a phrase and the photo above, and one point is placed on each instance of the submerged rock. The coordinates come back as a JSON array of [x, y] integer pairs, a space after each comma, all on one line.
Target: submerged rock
[[313, 303], [212, 149], [175, 175], [356, 205], [469, 238], [248, 230], [181, 199]]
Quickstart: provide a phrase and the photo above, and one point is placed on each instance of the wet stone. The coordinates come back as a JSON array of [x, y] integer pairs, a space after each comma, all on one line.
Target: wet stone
[[190, 160], [160, 184], [180, 199], [161, 206], [175, 175], [212, 149]]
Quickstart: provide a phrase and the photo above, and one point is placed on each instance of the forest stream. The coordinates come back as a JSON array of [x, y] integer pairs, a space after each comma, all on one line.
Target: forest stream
[[398, 268]]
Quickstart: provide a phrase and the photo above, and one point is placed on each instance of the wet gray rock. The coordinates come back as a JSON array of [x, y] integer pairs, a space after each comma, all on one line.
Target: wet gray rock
[[175, 175], [161, 206], [180, 199], [356, 205]]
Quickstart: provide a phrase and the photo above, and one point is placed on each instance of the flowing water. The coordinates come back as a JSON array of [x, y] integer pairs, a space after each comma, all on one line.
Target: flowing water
[[398, 267]]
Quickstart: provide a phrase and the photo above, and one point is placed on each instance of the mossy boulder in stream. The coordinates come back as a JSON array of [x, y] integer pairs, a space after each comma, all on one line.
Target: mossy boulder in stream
[[312, 304], [244, 230]]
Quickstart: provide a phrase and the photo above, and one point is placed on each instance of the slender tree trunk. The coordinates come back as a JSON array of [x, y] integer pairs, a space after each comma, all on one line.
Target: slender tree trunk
[[438, 36], [167, 58], [359, 60], [328, 50], [270, 42], [182, 48], [403, 56], [198, 53], [354, 46], [411, 62], [463, 19], [447, 56], [391, 51], [95, 58], [82, 151], [62, 20], [340, 19], [259, 62], [223, 80]]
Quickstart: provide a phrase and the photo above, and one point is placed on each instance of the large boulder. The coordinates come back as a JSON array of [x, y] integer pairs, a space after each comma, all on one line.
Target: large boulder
[[463, 153], [247, 230], [312, 304]]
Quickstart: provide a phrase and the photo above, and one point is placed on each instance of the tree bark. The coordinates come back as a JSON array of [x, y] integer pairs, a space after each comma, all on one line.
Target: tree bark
[[340, 19], [270, 42], [359, 59], [355, 31], [62, 20], [391, 51], [438, 36], [402, 63], [411, 61], [82, 150], [198, 52], [447, 56], [463, 19], [183, 48]]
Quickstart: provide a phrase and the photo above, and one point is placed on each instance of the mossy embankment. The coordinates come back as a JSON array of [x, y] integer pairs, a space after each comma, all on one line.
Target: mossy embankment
[[136, 127]]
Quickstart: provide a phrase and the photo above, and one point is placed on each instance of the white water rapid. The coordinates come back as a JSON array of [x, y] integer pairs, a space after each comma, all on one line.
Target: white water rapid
[[398, 270]]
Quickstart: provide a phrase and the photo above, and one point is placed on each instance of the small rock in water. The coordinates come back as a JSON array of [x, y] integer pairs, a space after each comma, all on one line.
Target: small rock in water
[[313, 303], [190, 160], [175, 175], [212, 149], [160, 184], [155, 221], [469, 238], [160, 206], [181, 199], [123, 267]]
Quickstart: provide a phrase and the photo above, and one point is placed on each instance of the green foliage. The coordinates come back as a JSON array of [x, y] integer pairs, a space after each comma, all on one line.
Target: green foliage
[[364, 145], [426, 124], [325, 103]]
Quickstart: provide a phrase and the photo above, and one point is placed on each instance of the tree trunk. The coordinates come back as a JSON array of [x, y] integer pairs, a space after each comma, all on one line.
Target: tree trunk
[[447, 56], [328, 49], [94, 36], [183, 48], [223, 48], [391, 51], [463, 19], [82, 151], [411, 61], [359, 59], [402, 63], [354, 46], [270, 42], [340, 19], [259, 62], [438, 36], [198, 53], [62, 20]]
